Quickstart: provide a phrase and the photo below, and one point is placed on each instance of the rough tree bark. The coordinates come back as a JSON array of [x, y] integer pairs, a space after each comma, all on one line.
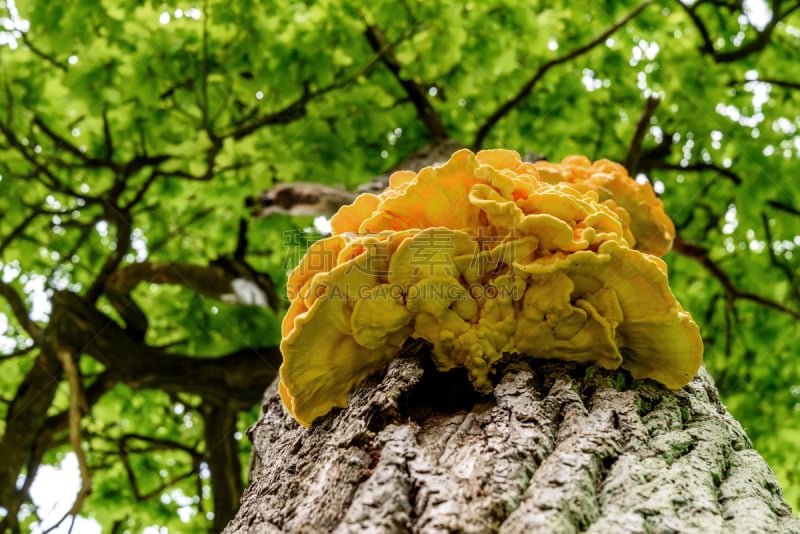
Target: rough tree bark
[[558, 447]]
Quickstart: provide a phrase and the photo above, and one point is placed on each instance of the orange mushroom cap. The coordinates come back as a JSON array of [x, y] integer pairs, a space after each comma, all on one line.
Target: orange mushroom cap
[[642, 212], [484, 256]]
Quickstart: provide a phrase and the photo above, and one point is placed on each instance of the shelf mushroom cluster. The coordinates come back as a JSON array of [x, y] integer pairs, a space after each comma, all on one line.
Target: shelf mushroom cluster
[[484, 256]]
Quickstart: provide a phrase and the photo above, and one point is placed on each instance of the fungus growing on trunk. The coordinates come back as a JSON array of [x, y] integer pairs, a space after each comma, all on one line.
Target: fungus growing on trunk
[[484, 256]]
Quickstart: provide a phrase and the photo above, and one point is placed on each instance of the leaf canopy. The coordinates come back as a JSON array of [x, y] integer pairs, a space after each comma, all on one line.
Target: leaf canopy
[[132, 135]]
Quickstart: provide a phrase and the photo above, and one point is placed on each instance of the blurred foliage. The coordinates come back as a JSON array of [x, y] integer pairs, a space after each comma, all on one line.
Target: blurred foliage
[[135, 131]]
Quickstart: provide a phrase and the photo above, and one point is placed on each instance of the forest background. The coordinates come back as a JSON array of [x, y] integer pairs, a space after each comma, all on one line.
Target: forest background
[[141, 288]]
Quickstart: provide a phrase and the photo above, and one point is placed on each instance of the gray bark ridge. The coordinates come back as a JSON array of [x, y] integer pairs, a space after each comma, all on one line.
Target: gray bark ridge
[[557, 448]]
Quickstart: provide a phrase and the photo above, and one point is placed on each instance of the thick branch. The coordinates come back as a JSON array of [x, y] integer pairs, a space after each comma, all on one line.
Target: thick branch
[[25, 417], [236, 381], [238, 378], [526, 89], [219, 426], [307, 198], [20, 311], [123, 226], [301, 198], [635, 148], [231, 281]]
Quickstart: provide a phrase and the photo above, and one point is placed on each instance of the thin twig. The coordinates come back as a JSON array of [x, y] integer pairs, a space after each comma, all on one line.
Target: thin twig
[[157, 444], [297, 109], [756, 45], [16, 353], [123, 454], [692, 167], [784, 207], [48, 58], [62, 142], [7, 240], [786, 84], [526, 89], [205, 73], [108, 140], [788, 272], [702, 255], [425, 110]]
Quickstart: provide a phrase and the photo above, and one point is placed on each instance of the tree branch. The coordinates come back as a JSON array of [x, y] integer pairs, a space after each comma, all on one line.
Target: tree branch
[[526, 89], [425, 111], [57, 423], [102, 384], [784, 207], [648, 164], [297, 109], [635, 147], [25, 417], [39, 169], [290, 113], [756, 45], [237, 378], [222, 453], [61, 142], [124, 227], [17, 231], [204, 75], [691, 10], [107, 139], [300, 198], [48, 58], [159, 444], [21, 312], [140, 497], [788, 272], [77, 407], [786, 84], [702, 255], [217, 280], [16, 353]]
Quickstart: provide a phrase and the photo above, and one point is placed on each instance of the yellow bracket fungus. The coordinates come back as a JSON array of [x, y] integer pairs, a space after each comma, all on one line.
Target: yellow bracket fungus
[[484, 256]]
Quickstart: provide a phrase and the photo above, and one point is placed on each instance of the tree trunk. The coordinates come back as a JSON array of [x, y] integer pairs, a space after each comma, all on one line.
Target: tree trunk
[[558, 447]]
